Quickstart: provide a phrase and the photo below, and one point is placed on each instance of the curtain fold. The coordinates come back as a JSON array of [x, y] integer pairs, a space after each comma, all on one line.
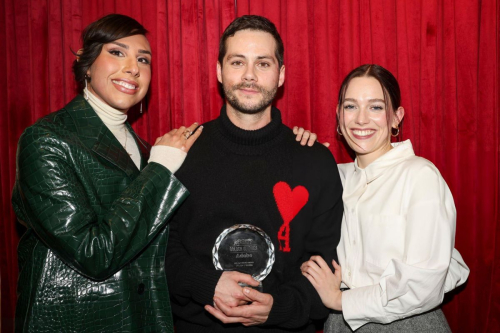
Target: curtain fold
[[444, 53]]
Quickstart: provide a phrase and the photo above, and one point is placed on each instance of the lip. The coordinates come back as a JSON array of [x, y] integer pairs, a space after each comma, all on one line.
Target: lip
[[123, 89], [360, 136], [249, 91]]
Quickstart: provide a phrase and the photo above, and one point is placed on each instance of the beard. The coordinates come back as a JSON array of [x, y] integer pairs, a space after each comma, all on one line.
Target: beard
[[232, 99]]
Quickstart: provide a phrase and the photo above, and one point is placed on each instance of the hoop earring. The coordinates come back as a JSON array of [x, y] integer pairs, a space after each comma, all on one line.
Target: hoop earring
[[397, 133], [140, 109], [85, 92], [338, 130]]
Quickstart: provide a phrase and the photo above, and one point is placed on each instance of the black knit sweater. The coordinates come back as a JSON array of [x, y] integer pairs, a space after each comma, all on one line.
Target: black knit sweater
[[265, 178]]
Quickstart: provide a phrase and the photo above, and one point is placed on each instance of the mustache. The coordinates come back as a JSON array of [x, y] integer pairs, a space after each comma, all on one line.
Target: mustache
[[245, 85]]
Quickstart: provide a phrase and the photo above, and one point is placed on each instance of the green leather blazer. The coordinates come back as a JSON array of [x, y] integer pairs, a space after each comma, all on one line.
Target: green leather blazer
[[92, 259]]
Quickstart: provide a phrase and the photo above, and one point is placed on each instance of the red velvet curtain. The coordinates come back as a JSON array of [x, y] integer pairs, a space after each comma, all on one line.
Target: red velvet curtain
[[445, 54]]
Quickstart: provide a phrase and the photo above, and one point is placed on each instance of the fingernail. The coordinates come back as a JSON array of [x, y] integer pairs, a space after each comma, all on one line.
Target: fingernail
[[246, 291]]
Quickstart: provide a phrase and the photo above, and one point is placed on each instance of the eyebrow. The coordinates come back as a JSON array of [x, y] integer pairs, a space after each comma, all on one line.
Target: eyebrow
[[125, 46], [266, 57], [230, 56], [370, 100]]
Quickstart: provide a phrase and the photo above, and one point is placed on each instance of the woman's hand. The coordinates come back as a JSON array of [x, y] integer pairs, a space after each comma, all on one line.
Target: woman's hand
[[182, 138], [326, 283], [306, 137]]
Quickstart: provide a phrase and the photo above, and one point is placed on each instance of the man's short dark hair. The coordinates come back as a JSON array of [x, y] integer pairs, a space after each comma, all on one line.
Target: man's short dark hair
[[252, 22]]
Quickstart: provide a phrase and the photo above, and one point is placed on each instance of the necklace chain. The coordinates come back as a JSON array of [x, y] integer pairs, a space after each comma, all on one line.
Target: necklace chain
[[125, 144]]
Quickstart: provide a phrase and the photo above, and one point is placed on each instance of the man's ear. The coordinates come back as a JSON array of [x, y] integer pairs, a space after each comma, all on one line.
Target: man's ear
[[281, 79], [219, 72]]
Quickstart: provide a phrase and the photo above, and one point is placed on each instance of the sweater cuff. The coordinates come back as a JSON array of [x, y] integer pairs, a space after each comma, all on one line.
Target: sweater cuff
[[202, 284], [280, 312], [170, 157]]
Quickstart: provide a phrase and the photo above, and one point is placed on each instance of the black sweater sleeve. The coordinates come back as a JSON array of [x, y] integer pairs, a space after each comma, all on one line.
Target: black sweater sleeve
[[187, 278]]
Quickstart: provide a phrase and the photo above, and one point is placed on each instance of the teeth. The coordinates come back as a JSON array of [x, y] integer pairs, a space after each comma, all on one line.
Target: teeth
[[363, 133], [124, 84]]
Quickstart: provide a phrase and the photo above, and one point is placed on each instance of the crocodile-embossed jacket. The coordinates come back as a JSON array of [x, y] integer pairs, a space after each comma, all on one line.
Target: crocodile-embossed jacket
[[92, 259]]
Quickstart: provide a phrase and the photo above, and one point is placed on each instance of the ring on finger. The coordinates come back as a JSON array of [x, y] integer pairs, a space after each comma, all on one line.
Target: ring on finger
[[187, 134]]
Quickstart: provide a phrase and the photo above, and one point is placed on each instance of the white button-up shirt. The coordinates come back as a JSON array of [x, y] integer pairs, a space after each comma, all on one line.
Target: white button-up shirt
[[398, 233]]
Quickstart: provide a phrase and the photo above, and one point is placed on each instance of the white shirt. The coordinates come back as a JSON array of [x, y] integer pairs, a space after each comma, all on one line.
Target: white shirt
[[397, 240]]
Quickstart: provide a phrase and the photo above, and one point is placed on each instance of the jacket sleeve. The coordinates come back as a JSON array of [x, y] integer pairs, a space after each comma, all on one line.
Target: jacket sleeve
[[52, 200], [415, 284], [187, 278], [296, 302]]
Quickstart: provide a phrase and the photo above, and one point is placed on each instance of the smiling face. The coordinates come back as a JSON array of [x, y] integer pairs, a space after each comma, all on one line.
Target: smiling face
[[363, 119], [250, 73], [121, 74]]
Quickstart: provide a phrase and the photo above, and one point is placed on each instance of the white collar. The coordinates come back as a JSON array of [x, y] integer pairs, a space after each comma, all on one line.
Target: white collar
[[110, 116], [399, 152]]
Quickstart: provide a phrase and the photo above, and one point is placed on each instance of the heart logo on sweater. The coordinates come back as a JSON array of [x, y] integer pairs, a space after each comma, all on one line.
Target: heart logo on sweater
[[289, 203]]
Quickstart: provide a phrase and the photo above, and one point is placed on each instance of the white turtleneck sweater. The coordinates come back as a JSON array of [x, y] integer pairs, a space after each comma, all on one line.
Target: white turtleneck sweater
[[170, 157]]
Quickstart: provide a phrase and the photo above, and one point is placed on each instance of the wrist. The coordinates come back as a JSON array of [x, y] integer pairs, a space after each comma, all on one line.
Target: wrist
[[339, 301], [336, 301]]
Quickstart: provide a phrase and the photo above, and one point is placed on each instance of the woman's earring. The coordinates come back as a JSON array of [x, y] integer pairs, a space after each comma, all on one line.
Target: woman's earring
[[338, 130], [140, 109], [85, 92], [397, 132]]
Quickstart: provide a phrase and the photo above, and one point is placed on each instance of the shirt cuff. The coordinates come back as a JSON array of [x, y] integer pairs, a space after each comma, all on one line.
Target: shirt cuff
[[363, 305], [170, 157]]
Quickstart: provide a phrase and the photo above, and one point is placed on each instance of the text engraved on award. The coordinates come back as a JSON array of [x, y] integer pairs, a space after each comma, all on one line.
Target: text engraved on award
[[244, 248]]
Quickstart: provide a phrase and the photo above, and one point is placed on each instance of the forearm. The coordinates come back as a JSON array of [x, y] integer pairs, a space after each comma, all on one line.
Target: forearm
[[403, 291], [187, 277], [50, 198], [296, 302]]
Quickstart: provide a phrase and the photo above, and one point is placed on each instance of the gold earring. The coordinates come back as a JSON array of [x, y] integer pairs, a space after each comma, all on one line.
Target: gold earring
[[397, 132], [338, 130]]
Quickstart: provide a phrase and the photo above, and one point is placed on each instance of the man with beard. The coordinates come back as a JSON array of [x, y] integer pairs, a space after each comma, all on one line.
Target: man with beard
[[247, 168]]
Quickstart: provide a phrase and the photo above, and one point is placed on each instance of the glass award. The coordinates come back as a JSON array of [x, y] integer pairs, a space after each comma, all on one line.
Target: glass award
[[244, 248]]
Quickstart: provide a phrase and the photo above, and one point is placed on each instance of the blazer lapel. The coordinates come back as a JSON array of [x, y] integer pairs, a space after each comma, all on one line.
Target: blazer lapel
[[96, 136], [108, 147], [144, 147]]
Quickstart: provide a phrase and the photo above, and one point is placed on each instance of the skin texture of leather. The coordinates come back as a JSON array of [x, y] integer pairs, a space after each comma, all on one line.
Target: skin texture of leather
[[92, 259]]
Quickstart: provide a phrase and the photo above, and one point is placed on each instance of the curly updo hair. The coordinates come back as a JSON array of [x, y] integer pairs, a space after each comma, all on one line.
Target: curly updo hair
[[105, 30]]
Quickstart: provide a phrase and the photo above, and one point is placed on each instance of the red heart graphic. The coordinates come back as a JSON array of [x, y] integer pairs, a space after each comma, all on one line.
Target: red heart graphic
[[289, 204]]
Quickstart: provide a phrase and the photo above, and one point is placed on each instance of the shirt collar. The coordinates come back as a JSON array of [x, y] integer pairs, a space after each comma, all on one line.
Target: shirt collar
[[400, 151]]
